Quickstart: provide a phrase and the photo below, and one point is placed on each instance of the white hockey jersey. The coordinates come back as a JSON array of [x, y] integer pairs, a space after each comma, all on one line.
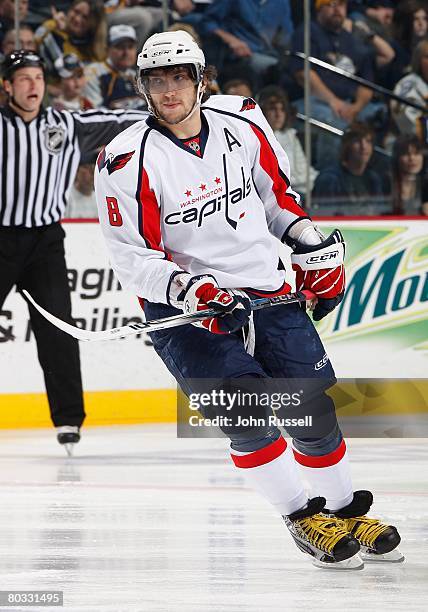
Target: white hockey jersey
[[163, 208]]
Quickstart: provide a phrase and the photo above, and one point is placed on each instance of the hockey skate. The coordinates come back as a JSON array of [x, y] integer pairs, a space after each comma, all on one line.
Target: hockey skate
[[68, 436], [324, 538], [378, 541]]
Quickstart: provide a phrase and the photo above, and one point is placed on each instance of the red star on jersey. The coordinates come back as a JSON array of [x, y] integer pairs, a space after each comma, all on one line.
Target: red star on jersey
[[217, 180], [188, 193], [202, 187]]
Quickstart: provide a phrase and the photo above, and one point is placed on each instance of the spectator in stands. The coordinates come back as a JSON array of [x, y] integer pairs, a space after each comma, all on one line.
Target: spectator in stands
[[413, 87], [245, 37], [238, 87], [111, 83], [26, 40], [411, 22], [276, 108], [410, 27], [409, 184], [7, 15], [71, 86], [350, 186], [81, 31], [335, 100]]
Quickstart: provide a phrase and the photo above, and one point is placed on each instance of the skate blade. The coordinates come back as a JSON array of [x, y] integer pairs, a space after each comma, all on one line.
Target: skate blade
[[353, 563], [394, 556], [69, 448]]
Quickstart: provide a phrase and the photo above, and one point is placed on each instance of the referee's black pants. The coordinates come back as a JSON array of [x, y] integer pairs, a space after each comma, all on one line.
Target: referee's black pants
[[33, 259]]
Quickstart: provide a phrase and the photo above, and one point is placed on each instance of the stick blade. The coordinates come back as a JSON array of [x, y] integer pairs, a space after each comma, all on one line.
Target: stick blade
[[76, 332]]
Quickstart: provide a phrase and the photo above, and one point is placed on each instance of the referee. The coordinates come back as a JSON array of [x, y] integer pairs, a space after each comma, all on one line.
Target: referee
[[40, 151]]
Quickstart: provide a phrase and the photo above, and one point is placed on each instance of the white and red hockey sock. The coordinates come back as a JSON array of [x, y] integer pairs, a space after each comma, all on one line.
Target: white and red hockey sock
[[328, 475], [272, 472]]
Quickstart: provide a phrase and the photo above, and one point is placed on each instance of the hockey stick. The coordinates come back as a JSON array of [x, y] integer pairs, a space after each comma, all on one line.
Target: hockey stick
[[156, 325]]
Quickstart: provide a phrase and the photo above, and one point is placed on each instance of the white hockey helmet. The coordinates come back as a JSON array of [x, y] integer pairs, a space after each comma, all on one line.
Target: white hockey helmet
[[171, 49]]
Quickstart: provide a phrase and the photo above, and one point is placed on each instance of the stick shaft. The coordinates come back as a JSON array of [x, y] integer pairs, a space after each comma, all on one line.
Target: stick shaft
[[159, 324]]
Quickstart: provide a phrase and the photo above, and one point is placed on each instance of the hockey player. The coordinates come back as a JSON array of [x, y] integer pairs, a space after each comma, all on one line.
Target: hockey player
[[190, 201]]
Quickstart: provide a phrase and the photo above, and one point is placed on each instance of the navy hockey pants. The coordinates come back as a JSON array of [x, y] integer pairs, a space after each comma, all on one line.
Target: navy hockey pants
[[287, 346]]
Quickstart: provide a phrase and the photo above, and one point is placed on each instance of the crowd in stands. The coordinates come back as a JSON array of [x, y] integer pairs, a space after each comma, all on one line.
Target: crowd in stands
[[369, 150]]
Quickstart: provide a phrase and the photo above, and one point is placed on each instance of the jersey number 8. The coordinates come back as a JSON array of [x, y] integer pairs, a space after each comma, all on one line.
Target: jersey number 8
[[114, 215]]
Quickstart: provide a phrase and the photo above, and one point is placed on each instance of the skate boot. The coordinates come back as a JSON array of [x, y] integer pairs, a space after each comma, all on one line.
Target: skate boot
[[324, 538], [68, 436], [378, 541]]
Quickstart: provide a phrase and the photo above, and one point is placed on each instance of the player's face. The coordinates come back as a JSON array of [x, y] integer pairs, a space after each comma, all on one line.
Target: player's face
[[172, 92], [27, 88]]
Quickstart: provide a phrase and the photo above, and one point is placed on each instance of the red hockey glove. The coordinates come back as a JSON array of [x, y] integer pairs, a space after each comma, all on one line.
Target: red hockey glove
[[203, 292], [328, 283]]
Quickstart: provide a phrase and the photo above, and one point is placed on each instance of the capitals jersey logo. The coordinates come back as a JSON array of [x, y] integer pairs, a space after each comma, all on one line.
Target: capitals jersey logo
[[113, 163], [212, 200], [248, 104]]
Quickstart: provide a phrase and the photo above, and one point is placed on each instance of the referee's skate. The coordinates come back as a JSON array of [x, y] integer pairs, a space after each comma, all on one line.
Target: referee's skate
[[68, 436]]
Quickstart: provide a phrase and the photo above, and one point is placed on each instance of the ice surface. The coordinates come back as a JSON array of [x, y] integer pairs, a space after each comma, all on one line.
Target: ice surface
[[141, 521]]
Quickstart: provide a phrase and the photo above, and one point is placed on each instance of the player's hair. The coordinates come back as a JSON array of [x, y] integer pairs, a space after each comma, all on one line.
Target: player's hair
[[209, 79]]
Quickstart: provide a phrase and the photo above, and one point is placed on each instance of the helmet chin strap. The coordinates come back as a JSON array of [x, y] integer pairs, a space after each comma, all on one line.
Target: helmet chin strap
[[199, 94]]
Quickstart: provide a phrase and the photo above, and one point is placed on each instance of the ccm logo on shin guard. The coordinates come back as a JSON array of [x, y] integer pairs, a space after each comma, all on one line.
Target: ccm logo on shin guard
[[320, 364], [322, 258]]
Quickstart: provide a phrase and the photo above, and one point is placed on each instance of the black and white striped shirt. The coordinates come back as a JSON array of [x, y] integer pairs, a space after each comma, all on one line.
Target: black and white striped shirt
[[39, 159]]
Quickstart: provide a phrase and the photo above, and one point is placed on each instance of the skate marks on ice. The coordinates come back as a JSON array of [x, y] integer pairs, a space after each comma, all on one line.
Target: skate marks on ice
[[119, 531]]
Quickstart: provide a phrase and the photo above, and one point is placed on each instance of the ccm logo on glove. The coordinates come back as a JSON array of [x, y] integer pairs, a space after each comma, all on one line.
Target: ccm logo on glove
[[325, 257], [328, 284]]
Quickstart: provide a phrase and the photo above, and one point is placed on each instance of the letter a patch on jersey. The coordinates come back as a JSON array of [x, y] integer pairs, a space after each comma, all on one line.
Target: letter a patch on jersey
[[248, 104], [113, 163], [231, 139]]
